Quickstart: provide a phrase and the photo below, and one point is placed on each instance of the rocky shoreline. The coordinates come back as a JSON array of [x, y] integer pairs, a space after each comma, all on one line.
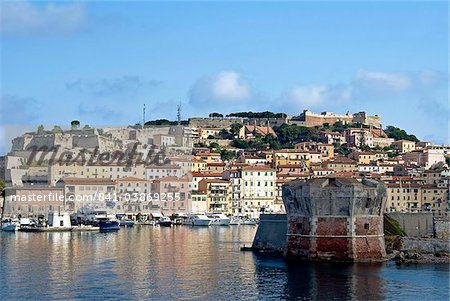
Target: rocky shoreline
[[416, 257]]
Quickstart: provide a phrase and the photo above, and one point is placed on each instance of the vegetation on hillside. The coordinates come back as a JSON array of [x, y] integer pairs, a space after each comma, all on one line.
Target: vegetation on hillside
[[165, 122], [399, 134]]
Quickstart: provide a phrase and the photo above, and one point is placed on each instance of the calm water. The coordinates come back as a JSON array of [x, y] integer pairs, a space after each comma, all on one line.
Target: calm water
[[192, 264]]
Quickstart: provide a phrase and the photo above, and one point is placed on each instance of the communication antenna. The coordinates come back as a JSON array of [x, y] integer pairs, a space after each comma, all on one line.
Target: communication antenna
[[143, 116], [179, 114]]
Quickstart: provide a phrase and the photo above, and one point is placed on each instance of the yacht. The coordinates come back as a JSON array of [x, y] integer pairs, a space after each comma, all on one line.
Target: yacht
[[235, 221], [218, 219], [249, 221], [127, 223], [165, 221], [197, 220], [108, 224]]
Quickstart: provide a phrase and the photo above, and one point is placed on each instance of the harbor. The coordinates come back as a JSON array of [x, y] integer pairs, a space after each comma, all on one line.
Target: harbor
[[192, 263]]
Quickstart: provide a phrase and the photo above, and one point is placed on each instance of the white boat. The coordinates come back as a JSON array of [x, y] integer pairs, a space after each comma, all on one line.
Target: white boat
[[10, 225], [165, 221], [235, 221], [218, 219], [197, 220], [249, 221]]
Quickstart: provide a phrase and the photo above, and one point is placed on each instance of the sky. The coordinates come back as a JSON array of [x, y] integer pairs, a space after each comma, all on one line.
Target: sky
[[99, 62]]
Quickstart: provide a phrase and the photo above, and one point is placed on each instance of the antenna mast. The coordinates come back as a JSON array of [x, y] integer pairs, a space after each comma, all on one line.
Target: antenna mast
[[179, 113], [143, 116]]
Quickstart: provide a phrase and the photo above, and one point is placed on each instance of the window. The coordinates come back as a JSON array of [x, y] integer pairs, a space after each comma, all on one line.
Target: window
[[366, 226]]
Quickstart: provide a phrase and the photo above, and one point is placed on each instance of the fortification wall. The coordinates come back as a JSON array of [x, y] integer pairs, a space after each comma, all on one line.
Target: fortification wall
[[271, 233], [214, 122], [335, 219]]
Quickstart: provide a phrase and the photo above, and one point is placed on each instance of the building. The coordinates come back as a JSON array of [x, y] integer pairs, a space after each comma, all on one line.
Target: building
[[154, 172], [425, 157], [416, 197], [87, 193], [335, 219], [172, 194], [330, 137], [217, 195], [32, 201], [252, 131], [134, 197], [327, 150], [258, 190], [342, 164], [404, 146], [359, 137]]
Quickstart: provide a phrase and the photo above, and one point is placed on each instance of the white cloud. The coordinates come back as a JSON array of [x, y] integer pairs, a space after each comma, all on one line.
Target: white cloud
[[382, 81], [25, 18], [224, 88], [228, 85], [313, 96], [111, 86]]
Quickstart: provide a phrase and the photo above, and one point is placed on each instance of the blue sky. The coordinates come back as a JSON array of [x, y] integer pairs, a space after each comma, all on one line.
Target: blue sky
[[99, 62]]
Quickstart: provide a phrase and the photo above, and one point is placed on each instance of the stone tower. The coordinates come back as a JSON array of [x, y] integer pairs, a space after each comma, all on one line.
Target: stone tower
[[335, 219]]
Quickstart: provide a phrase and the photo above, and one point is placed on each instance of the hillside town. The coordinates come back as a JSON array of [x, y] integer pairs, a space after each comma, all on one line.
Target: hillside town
[[234, 165]]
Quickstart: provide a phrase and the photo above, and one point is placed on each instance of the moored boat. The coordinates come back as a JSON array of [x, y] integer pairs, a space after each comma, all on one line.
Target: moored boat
[[197, 220], [10, 225], [218, 219], [106, 224], [165, 222], [126, 223]]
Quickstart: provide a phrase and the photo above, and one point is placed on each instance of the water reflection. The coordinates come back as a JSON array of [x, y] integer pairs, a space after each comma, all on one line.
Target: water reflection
[[189, 264]]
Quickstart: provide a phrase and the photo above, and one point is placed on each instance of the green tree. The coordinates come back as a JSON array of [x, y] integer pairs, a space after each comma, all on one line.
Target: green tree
[[57, 129], [215, 115], [447, 160], [74, 124], [235, 128], [227, 155], [40, 130], [214, 145], [240, 143], [399, 134], [2, 185]]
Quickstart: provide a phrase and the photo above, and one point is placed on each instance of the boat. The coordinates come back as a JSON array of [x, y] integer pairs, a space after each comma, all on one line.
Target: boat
[[127, 223], [218, 219], [249, 221], [10, 225], [165, 222], [235, 221], [107, 224], [197, 220]]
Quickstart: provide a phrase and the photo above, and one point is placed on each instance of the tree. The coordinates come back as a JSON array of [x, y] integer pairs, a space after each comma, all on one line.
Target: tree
[[86, 127], [240, 143], [40, 130], [227, 155], [447, 160], [74, 124], [57, 129], [235, 128], [215, 115], [214, 145], [2, 185], [399, 134]]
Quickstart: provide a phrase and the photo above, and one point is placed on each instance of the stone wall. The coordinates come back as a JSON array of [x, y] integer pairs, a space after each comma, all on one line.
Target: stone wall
[[442, 228], [415, 224], [335, 219], [271, 233], [425, 245]]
